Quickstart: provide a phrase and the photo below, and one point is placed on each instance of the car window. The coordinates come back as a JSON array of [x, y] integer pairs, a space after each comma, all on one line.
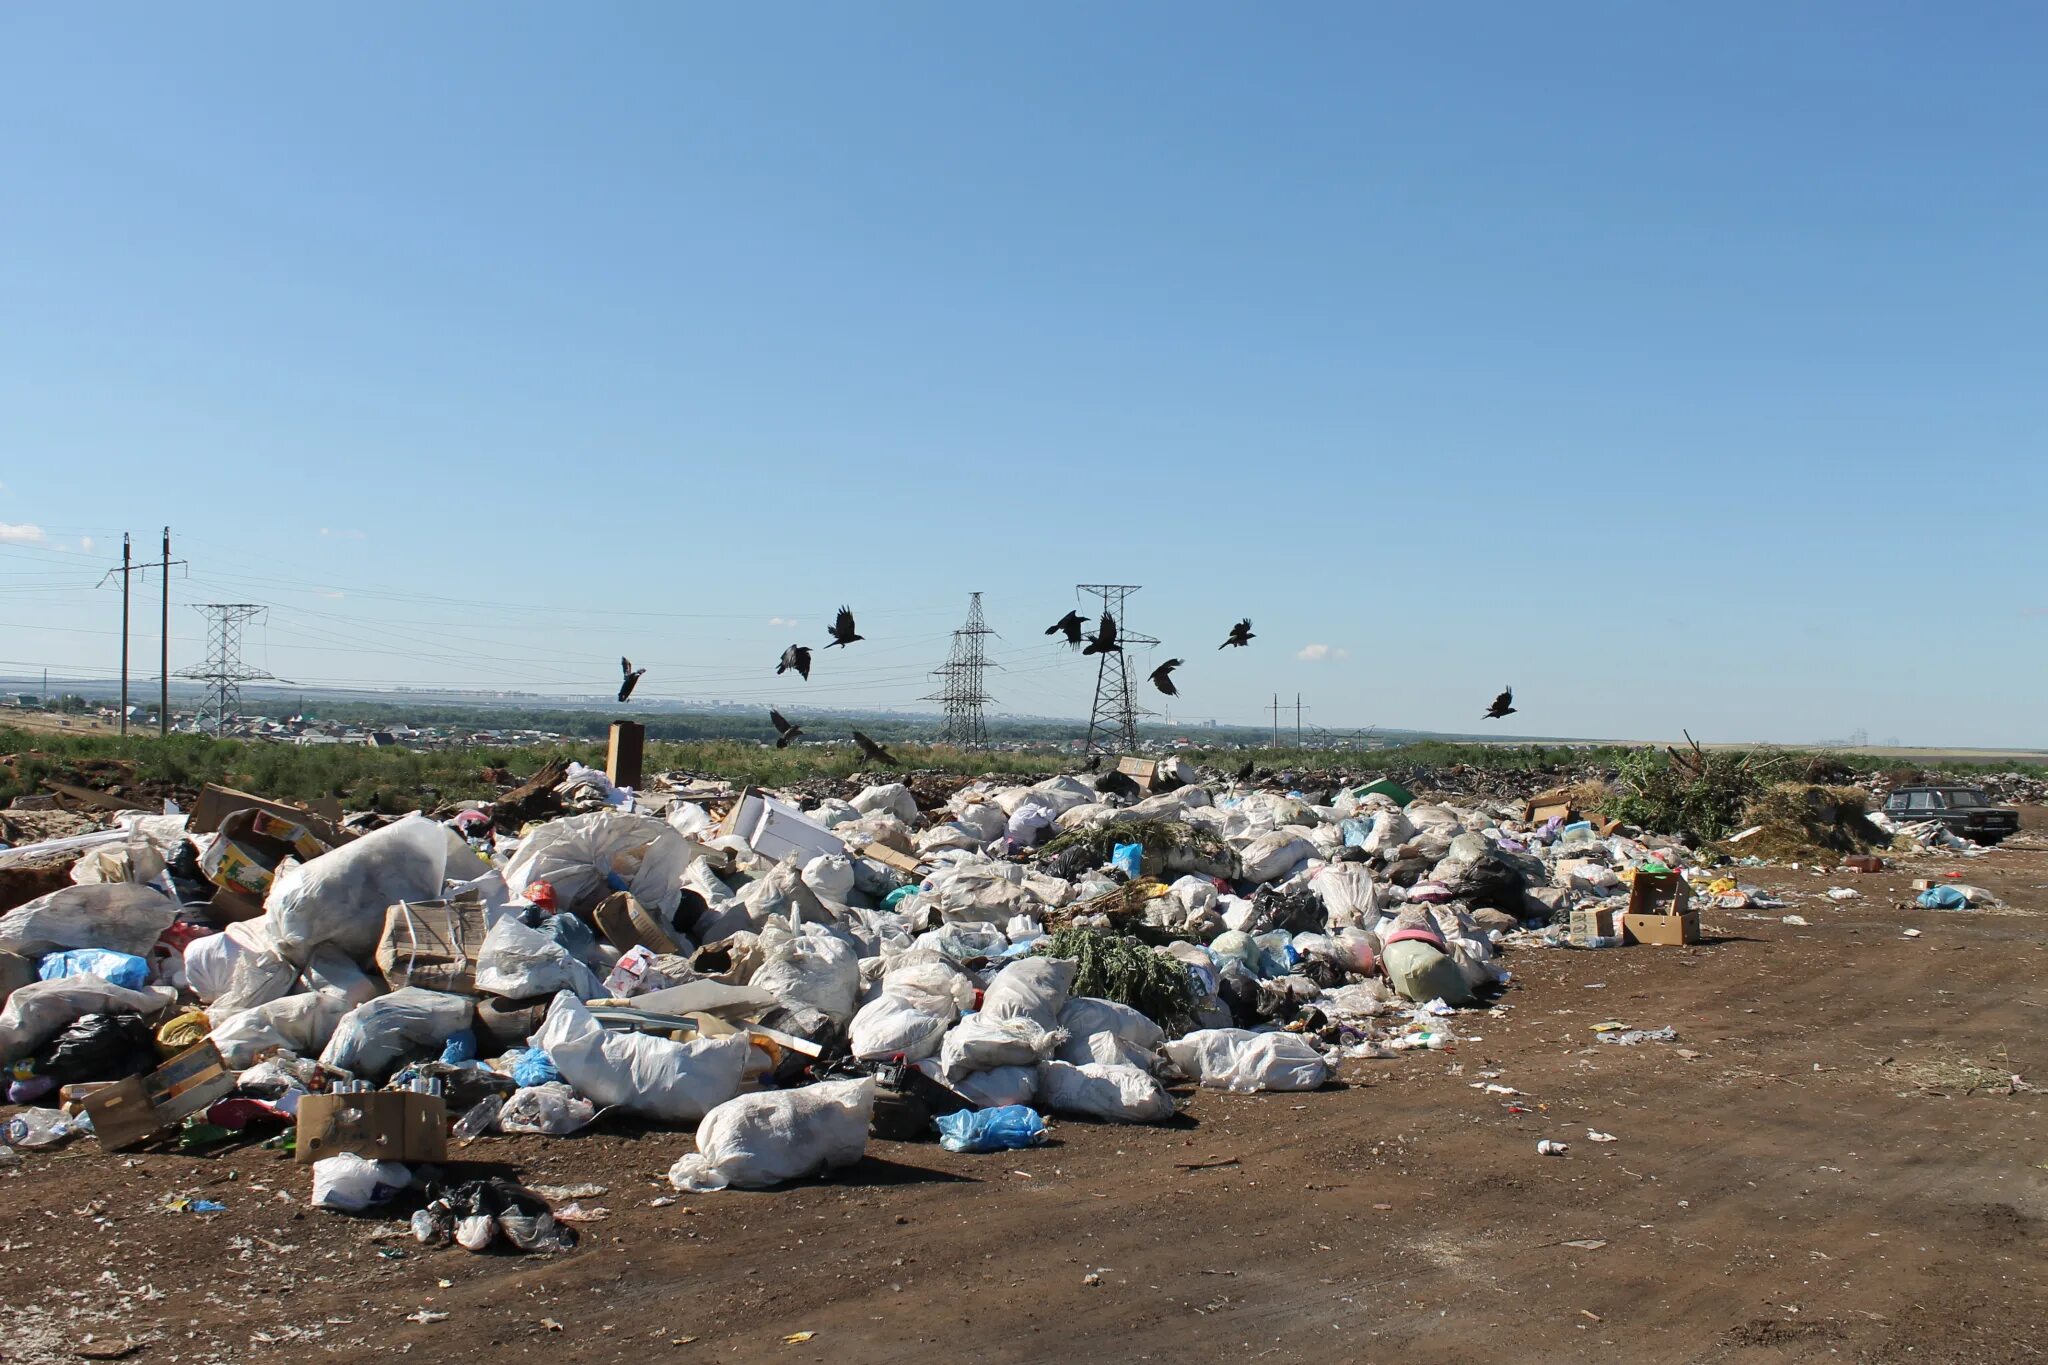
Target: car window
[[1896, 801], [1964, 798], [1923, 801]]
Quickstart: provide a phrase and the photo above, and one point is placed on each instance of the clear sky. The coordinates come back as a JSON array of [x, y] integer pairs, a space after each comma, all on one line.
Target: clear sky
[[1682, 366]]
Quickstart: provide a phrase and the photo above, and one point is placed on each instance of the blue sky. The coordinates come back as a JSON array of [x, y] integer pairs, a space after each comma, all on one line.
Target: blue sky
[[1681, 366]]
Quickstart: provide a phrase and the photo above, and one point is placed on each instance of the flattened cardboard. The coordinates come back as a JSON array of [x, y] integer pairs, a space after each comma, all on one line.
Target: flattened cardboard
[[216, 803], [127, 1111], [1661, 930], [380, 1125], [906, 863]]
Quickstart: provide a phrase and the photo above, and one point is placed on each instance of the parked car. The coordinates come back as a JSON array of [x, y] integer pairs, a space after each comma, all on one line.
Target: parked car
[[1964, 810]]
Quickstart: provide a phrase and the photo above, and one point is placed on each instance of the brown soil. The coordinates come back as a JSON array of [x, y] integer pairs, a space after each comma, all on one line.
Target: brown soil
[[1829, 1164]]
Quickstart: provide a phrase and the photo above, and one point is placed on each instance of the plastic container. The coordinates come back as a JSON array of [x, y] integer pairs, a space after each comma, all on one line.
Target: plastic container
[[40, 1128]]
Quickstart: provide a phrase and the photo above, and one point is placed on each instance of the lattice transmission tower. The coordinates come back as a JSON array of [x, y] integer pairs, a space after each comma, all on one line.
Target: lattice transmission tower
[[961, 693], [224, 672], [1114, 716]]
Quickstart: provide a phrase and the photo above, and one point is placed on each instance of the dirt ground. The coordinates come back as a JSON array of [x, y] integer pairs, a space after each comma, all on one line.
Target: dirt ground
[[1831, 1162]]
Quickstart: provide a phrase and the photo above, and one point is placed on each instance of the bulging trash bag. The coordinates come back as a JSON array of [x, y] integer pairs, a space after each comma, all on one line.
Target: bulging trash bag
[[1110, 1050], [1240, 1060], [517, 962], [210, 964], [340, 897], [134, 860], [932, 986], [373, 1038], [259, 976], [119, 916], [1034, 988], [950, 836], [1029, 824], [757, 1141], [98, 1047], [578, 854], [830, 875], [999, 1086], [1085, 1016], [1062, 794], [302, 1024], [1006, 1129], [888, 798], [123, 969], [1115, 1094], [349, 1183], [984, 821], [674, 1082], [965, 942], [41, 1010], [551, 1110], [335, 972], [1348, 892], [1274, 855], [889, 1025], [979, 1043], [813, 970]]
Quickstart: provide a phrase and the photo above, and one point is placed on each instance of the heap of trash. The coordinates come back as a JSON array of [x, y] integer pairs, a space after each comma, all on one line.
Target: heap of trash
[[789, 978]]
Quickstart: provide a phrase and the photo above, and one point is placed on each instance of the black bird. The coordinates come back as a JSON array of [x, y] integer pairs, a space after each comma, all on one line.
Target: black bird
[[1240, 635], [874, 752], [1094, 762], [784, 731], [842, 629], [629, 677], [1103, 641], [1503, 705], [1069, 626], [1244, 774], [797, 657], [1162, 677]]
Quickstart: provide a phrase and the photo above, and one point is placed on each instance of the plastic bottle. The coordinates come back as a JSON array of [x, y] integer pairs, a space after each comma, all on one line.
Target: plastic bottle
[[40, 1128], [478, 1120]]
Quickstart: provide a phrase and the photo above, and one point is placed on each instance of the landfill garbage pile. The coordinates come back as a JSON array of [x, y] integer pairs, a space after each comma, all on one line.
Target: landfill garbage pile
[[784, 977]]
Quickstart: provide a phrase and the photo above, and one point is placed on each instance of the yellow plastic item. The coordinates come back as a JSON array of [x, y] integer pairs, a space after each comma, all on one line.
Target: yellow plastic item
[[186, 1030]]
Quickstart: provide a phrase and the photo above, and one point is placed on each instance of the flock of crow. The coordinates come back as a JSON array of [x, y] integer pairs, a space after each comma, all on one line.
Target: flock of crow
[[1103, 641]]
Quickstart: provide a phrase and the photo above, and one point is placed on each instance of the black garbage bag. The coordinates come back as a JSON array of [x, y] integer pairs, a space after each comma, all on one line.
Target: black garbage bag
[[476, 1213], [186, 879], [1297, 912], [99, 1047]]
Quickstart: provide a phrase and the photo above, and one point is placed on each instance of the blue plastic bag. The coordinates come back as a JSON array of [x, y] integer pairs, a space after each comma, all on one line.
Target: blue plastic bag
[[122, 969], [1356, 832], [1127, 859], [534, 1067], [899, 895], [460, 1048], [1933, 898], [1001, 1129]]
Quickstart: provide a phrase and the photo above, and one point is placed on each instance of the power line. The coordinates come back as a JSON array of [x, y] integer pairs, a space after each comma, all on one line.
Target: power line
[[224, 672], [1115, 710]]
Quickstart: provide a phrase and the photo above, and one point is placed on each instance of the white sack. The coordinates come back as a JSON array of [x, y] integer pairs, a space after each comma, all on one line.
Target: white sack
[[340, 897], [41, 1010], [760, 1140], [1084, 1016], [1115, 1094], [999, 1086], [517, 962], [979, 1043], [574, 855], [119, 916], [890, 1024], [1033, 988], [372, 1037], [1274, 855], [1238, 1059], [674, 1082], [813, 970], [892, 799]]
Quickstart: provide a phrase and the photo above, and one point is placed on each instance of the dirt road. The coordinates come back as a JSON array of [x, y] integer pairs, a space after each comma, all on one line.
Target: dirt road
[[1829, 1163]]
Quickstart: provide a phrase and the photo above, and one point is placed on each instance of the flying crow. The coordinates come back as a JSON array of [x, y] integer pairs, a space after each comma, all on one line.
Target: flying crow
[[797, 657], [784, 731], [629, 677], [842, 629], [1240, 635], [1103, 641], [1069, 626], [1162, 677], [874, 752], [1503, 705]]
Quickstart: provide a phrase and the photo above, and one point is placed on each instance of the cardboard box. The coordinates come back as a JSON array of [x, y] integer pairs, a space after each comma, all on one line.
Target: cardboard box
[[1587, 924], [127, 1111], [1555, 804], [1662, 930], [249, 847], [382, 1125], [1139, 770], [623, 755], [232, 907], [433, 944], [217, 803], [1658, 893]]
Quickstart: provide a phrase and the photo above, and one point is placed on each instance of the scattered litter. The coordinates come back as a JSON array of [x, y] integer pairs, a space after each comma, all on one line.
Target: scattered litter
[[1595, 1136], [1796, 921], [1630, 1037], [1549, 1148], [426, 1315]]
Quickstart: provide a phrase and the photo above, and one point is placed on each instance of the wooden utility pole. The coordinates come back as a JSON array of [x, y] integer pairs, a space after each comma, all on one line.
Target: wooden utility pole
[[163, 696]]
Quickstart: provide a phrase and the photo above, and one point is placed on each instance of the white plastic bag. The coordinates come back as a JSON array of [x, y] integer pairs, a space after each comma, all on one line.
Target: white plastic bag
[[1115, 1094], [340, 897], [889, 1024], [830, 875], [675, 1082], [889, 798], [983, 821], [1276, 854], [41, 1010], [517, 962], [1084, 1016], [1240, 1060], [756, 1141], [259, 976], [1033, 988], [551, 1110], [302, 1024], [1348, 892], [812, 970], [330, 969], [999, 1086], [979, 1043], [576, 854], [210, 964], [349, 1183], [119, 916], [935, 987], [372, 1037]]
